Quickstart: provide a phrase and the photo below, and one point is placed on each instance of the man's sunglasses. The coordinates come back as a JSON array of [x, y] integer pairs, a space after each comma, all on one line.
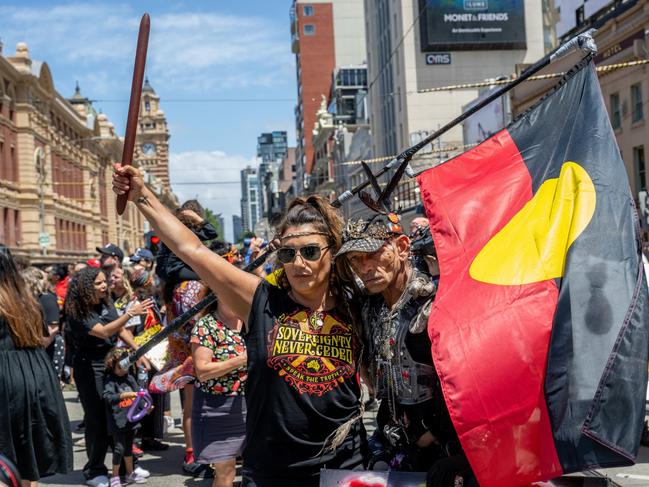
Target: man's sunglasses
[[312, 252]]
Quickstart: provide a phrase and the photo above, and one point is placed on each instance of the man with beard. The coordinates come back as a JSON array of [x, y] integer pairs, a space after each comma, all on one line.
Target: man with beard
[[414, 431]]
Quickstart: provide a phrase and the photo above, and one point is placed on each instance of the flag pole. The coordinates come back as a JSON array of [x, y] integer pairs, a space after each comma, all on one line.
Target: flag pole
[[583, 41], [179, 321]]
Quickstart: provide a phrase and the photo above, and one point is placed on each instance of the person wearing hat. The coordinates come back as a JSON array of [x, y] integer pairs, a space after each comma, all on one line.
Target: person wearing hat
[[111, 256], [143, 257], [413, 418]]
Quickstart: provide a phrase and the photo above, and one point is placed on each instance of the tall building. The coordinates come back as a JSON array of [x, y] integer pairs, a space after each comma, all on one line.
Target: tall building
[[152, 140], [272, 146], [237, 230], [414, 46], [334, 128], [325, 34], [56, 158], [271, 149], [621, 36], [286, 178], [250, 206]]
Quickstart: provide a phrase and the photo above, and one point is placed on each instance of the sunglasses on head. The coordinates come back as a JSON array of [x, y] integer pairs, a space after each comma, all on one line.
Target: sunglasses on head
[[311, 252]]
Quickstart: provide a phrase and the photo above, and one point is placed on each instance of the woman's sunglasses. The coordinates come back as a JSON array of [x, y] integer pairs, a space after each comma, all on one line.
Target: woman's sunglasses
[[312, 252]]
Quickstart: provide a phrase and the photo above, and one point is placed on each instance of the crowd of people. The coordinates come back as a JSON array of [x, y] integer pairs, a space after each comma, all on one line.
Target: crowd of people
[[271, 374]]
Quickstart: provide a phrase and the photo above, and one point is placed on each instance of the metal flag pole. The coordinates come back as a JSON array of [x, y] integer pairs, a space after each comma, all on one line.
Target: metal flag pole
[[179, 321], [582, 41], [134, 102]]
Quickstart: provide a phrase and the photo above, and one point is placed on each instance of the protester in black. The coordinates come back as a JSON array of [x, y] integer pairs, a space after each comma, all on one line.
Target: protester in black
[[34, 424], [120, 391], [302, 348], [39, 285], [94, 325]]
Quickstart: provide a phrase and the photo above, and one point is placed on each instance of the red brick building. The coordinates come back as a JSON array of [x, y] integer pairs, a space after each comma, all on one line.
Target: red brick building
[[324, 35]]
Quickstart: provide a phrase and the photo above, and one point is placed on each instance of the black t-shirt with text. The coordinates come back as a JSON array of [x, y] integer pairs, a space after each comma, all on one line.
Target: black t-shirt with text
[[86, 345], [302, 385]]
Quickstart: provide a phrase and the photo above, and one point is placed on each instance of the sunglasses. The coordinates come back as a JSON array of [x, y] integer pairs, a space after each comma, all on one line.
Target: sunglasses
[[312, 252]]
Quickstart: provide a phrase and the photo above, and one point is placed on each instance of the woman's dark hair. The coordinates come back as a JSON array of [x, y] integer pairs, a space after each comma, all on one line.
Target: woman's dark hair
[[113, 357], [194, 206], [190, 205], [81, 296], [219, 247], [18, 306], [316, 211], [60, 271]]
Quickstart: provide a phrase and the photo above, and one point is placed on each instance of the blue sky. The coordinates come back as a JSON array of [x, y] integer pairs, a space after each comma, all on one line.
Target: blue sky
[[198, 50]]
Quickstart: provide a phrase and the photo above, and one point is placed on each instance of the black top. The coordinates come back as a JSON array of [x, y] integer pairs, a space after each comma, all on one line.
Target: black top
[[171, 268], [34, 424], [88, 346], [118, 408], [302, 384], [50, 308]]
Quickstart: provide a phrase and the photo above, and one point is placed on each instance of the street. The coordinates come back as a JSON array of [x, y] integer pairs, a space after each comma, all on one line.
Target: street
[[165, 466]]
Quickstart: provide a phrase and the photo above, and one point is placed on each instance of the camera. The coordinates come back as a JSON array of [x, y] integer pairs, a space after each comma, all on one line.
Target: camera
[[421, 242]]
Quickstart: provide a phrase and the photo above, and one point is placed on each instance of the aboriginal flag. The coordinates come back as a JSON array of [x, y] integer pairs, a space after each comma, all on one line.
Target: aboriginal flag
[[539, 327]]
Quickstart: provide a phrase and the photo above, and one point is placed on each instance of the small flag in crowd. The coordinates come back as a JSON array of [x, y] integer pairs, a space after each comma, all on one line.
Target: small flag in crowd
[[539, 327]]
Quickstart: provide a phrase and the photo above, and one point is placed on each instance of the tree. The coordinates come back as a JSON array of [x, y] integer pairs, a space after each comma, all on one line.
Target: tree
[[210, 217]]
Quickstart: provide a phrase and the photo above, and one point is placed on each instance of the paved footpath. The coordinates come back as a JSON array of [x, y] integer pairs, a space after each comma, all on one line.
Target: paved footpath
[[165, 467]]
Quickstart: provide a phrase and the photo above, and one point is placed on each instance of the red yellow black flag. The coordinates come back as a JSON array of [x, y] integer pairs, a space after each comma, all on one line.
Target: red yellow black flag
[[539, 326]]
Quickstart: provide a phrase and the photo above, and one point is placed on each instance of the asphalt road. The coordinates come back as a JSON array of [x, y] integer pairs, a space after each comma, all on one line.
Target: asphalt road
[[166, 471]]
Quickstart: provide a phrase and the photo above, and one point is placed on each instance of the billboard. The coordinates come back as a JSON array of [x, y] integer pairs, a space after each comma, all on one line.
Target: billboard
[[462, 25]]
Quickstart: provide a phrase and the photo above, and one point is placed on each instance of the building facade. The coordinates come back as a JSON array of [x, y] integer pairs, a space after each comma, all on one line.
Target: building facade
[[334, 128], [250, 205], [413, 46], [56, 157], [237, 230], [152, 139], [401, 65], [271, 149], [325, 34], [621, 37]]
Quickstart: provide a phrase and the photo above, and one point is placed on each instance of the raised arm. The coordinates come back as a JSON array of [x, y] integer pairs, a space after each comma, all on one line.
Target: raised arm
[[233, 286]]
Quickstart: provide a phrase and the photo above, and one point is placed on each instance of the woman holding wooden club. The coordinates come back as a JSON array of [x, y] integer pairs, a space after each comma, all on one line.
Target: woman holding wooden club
[[302, 346]]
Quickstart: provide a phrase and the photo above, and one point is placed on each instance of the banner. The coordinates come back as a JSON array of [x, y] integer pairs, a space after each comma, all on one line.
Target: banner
[[462, 25]]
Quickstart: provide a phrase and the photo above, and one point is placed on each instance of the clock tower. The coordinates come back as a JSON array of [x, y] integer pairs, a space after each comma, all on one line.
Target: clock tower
[[152, 141]]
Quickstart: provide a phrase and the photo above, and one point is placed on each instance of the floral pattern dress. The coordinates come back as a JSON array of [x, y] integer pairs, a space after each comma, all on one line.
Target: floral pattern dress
[[186, 294], [224, 344]]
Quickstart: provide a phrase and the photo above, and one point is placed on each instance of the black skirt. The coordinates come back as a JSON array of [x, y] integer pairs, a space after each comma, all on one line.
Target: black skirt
[[34, 425]]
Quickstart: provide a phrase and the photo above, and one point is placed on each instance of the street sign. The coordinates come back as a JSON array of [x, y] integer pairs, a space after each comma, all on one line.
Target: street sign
[[44, 239]]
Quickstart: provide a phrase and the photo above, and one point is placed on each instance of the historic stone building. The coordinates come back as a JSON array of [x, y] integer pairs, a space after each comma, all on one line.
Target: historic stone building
[[152, 146], [56, 157]]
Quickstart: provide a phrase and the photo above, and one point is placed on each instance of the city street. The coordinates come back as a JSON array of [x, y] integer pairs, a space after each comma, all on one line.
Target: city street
[[270, 198], [165, 467]]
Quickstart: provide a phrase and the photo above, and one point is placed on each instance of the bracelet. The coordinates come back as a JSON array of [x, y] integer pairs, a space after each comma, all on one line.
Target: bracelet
[[143, 200], [129, 314]]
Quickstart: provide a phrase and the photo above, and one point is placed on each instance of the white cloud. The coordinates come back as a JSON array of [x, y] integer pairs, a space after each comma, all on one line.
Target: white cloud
[[188, 51], [203, 167]]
